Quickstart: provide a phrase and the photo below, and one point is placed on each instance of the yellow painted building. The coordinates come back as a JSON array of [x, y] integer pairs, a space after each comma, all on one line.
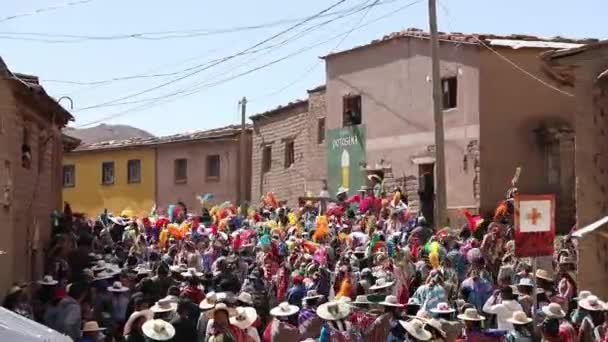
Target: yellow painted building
[[116, 177]]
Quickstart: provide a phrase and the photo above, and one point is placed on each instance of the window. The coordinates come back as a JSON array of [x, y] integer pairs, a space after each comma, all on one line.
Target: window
[[266, 158], [320, 130], [351, 110], [134, 171], [107, 173], [449, 88], [69, 176], [181, 170], [26, 150], [289, 153], [213, 167]]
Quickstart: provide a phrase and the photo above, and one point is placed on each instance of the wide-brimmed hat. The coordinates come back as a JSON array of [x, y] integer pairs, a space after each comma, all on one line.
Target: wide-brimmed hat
[[158, 330], [553, 310], [209, 301], [525, 282], [117, 287], [381, 283], [362, 300], [341, 190], [285, 309], [592, 303], [543, 274], [391, 301], [245, 316], [48, 280], [471, 314], [436, 324], [178, 268], [164, 305], [519, 318], [100, 265], [92, 326], [443, 308], [245, 297], [221, 307], [374, 176], [147, 314], [415, 327], [103, 275], [334, 310], [312, 294], [582, 295], [192, 272]]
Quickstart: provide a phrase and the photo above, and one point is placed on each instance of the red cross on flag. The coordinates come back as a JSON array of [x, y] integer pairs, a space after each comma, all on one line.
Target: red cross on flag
[[534, 225]]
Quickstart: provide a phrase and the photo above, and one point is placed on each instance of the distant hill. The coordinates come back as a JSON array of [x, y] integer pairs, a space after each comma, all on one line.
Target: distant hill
[[105, 132]]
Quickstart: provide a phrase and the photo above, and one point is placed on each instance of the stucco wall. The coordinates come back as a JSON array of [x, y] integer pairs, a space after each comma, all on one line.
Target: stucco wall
[[90, 196], [393, 79], [512, 106], [196, 152]]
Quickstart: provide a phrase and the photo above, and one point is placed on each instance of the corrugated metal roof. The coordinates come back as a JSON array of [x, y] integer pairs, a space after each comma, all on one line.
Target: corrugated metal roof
[[196, 135], [472, 38]]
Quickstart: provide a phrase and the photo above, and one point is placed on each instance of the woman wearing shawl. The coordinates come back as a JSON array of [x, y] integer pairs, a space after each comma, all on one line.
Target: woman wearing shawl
[[221, 330], [336, 327], [309, 323], [281, 328]]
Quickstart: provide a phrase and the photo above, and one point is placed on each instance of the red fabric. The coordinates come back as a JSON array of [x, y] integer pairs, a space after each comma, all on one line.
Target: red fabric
[[404, 294], [267, 336], [472, 220], [194, 293]]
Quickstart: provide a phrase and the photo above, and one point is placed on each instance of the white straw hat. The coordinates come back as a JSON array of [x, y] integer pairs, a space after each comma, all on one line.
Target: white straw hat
[[381, 283], [117, 287], [471, 314], [592, 303], [415, 327], [209, 301], [48, 281], [332, 311], [191, 272], [245, 316], [553, 310], [362, 300], [164, 305], [285, 309], [312, 294], [443, 308], [519, 318], [92, 326], [158, 330], [391, 301], [245, 297]]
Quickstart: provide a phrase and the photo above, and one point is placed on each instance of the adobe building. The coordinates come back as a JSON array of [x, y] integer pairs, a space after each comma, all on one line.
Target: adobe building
[[496, 117], [288, 155], [31, 148]]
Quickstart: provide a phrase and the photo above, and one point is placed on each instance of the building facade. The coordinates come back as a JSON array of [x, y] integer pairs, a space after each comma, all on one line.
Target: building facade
[[496, 118], [288, 155], [137, 174], [31, 148], [110, 175], [192, 164]]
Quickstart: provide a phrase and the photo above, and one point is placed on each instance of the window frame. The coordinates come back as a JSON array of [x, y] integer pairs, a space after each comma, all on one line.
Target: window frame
[[347, 101], [266, 158], [449, 96], [208, 175], [320, 130], [290, 153], [66, 167], [176, 167], [103, 173], [132, 162]]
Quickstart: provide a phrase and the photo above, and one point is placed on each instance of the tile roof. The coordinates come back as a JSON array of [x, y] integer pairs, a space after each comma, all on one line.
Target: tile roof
[[280, 109], [474, 38], [197, 135]]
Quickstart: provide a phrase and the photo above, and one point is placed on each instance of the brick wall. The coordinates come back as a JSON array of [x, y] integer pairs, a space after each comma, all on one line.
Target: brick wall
[[34, 191], [297, 122]]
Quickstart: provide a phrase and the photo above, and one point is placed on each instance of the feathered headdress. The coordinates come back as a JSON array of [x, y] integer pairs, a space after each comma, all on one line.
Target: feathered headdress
[[204, 199], [345, 288], [473, 221]]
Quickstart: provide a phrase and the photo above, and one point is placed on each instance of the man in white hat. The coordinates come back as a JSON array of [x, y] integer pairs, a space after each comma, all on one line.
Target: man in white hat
[[282, 327], [445, 315], [92, 332]]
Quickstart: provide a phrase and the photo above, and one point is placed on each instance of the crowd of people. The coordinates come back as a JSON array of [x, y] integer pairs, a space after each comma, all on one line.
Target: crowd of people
[[358, 268]]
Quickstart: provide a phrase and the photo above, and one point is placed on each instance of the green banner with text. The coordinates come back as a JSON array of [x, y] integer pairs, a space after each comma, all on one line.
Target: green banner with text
[[345, 155]]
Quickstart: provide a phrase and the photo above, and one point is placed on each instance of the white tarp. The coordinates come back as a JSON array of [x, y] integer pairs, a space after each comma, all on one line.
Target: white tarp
[[16, 328]]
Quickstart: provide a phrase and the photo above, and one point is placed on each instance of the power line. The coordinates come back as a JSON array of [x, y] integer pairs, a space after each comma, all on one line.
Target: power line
[[199, 87], [160, 35], [46, 9], [200, 68]]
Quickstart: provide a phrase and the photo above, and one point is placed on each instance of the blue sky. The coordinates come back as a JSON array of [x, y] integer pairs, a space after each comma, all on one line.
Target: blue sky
[[216, 103]]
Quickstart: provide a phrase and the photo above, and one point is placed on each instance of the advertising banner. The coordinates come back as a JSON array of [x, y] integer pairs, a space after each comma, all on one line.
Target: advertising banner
[[345, 155], [534, 225]]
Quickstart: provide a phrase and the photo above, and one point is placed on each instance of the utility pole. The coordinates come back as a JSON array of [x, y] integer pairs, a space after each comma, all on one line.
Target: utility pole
[[242, 154], [440, 189]]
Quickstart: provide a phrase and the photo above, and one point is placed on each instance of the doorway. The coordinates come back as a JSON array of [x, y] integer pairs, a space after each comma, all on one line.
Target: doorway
[[426, 191]]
